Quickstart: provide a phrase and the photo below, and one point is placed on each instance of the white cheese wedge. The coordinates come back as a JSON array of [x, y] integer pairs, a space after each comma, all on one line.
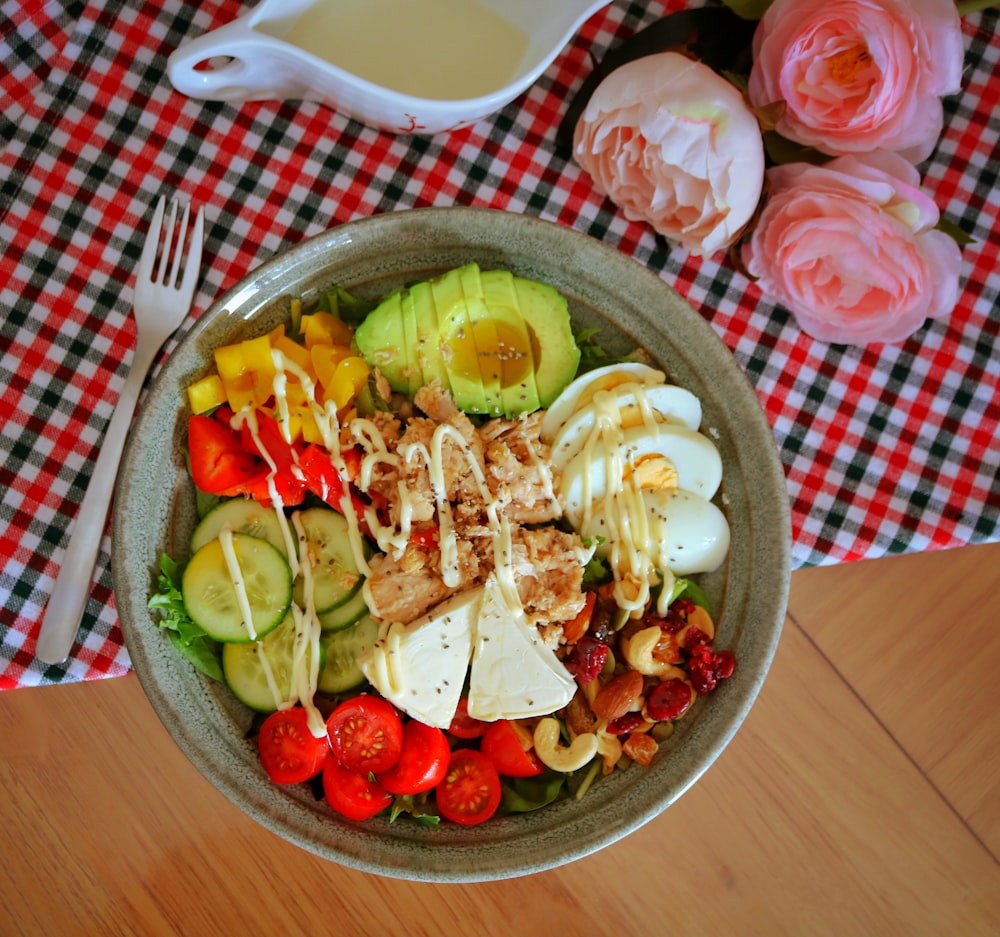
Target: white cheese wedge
[[514, 675], [421, 667]]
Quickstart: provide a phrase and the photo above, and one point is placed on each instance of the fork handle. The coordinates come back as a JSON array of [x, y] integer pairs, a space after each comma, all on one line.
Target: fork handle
[[72, 586]]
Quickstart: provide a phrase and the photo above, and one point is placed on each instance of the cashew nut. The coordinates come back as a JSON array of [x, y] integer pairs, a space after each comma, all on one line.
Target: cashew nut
[[699, 618], [639, 649], [610, 749], [558, 757]]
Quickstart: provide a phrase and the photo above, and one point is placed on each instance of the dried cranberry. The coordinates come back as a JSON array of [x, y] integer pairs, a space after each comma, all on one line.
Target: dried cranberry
[[669, 700], [675, 618], [706, 668], [700, 669], [683, 607], [587, 658], [694, 635], [624, 724]]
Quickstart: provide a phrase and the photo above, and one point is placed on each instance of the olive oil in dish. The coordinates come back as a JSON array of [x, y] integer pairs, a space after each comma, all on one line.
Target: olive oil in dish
[[438, 49]]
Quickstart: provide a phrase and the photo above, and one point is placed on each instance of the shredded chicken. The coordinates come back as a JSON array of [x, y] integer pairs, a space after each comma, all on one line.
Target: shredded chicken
[[515, 470], [547, 563], [549, 570]]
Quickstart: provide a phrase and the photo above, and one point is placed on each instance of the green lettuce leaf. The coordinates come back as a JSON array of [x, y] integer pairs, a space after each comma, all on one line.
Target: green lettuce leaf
[[344, 305], [193, 644], [521, 795]]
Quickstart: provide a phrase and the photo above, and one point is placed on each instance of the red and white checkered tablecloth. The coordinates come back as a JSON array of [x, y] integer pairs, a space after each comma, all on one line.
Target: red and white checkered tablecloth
[[886, 450]]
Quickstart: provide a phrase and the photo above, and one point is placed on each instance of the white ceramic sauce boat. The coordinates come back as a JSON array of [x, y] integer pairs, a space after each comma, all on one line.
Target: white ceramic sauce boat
[[249, 60]]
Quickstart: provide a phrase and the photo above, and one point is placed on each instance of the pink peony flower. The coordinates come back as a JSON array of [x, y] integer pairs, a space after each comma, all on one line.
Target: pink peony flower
[[850, 248], [674, 145], [858, 75]]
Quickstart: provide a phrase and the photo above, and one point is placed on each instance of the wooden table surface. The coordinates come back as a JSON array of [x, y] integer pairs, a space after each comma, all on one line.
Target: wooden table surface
[[861, 797]]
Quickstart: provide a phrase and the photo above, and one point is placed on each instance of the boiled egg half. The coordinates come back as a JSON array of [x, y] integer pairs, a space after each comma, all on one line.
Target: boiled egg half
[[636, 477]]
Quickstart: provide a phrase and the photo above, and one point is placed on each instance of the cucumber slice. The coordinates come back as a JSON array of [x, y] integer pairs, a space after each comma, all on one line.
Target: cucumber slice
[[341, 671], [245, 673], [245, 517], [343, 616], [336, 577], [210, 597]]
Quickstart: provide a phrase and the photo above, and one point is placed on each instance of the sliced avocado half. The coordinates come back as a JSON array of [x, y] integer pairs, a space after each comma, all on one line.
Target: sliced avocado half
[[428, 362], [546, 313], [414, 378], [457, 342], [381, 341], [501, 344], [484, 337], [518, 391]]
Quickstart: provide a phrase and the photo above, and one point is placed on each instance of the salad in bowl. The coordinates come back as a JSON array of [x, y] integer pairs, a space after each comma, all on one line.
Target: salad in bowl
[[439, 557], [458, 577]]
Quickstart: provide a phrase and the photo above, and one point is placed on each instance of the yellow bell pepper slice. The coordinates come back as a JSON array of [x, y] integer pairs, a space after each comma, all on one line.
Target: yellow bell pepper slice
[[322, 328], [325, 359], [301, 419], [247, 372], [296, 353], [348, 378], [206, 394]]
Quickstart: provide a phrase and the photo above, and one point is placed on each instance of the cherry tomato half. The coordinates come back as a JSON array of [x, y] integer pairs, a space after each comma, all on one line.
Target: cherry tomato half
[[353, 795], [504, 746], [422, 763], [464, 726], [470, 791], [366, 734], [289, 752]]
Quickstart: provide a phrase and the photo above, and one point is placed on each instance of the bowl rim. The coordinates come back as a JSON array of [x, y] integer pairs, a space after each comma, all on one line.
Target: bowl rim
[[511, 846]]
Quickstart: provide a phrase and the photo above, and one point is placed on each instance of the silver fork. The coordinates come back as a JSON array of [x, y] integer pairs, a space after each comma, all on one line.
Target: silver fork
[[162, 300]]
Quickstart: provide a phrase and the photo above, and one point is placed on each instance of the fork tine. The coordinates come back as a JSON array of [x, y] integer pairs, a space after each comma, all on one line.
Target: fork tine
[[168, 240], [181, 240], [193, 263], [148, 258]]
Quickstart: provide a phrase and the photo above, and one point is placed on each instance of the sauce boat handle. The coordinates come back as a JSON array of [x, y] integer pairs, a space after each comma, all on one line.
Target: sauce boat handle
[[235, 63]]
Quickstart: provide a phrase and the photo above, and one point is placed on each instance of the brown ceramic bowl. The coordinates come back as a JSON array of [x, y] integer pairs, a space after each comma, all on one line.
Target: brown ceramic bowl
[[154, 513]]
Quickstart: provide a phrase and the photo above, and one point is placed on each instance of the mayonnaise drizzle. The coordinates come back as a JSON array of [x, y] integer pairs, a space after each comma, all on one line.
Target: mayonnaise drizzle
[[236, 577], [305, 659], [638, 561], [304, 677], [248, 417], [328, 424], [544, 469], [434, 460], [391, 539], [272, 681]]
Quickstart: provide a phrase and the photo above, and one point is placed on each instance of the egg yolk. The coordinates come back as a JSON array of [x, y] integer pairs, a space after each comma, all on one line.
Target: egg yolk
[[652, 472]]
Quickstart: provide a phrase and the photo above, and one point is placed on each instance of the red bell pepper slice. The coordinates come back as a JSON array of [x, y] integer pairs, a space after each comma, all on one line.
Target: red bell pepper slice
[[251, 481], [426, 538], [218, 460], [323, 479], [352, 460], [289, 485], [223, 415], [291, 491], [272, 441]]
